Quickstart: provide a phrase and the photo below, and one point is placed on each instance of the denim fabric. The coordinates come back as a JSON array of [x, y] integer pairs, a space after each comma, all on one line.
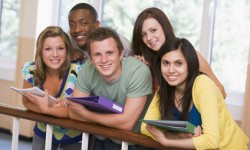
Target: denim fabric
[[38, 143]]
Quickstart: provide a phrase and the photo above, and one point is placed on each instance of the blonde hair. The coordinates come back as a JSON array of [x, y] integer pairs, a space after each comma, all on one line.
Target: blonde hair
[[40, 72]]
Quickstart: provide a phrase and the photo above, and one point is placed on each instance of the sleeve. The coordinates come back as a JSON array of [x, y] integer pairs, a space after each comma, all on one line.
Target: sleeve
[[206, 96], [77, 66], [71, 81], [140, 82], [153, 113], [27, 72], [126, 45], [84, 79]]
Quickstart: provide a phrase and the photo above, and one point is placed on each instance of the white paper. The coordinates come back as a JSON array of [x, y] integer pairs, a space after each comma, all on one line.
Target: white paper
[[33, 90]]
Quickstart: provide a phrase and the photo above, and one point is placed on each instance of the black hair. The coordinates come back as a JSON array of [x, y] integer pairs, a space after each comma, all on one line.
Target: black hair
[[166, 92], [91, 9]]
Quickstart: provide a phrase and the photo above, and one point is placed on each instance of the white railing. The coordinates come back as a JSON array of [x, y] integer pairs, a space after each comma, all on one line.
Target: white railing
[[87, 128]]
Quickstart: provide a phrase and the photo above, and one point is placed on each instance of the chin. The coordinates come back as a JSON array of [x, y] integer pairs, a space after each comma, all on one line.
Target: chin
[[156, 49], [81, 44], [172, 84]]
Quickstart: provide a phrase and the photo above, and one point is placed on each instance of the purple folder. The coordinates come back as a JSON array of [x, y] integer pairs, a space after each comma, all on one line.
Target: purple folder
[[98, 104]]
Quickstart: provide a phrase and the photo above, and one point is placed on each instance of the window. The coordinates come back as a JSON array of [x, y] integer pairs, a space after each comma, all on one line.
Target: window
[[185, 17], [230, 39], [231, 43], [65, 6], [9, 29]]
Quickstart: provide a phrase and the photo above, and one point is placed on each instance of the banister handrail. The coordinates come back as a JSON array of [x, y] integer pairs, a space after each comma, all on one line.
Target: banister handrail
[[96, 129]]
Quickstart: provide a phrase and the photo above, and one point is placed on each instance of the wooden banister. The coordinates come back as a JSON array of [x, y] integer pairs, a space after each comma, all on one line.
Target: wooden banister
[[96, 129]]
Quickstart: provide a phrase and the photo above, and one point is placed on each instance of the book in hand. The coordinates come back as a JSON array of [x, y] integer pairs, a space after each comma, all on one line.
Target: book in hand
[[172, 125], [98, 104], [33, 90]]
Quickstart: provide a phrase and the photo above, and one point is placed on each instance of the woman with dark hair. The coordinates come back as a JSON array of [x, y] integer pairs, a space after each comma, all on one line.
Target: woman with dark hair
[[151, 30], [186, 94]]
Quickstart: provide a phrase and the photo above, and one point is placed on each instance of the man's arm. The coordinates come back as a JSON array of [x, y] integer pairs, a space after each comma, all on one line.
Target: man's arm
[[76, 108], [132, 111]]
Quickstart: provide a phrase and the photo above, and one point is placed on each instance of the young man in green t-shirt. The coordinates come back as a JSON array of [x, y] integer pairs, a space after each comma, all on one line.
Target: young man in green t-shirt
[[126, 81]]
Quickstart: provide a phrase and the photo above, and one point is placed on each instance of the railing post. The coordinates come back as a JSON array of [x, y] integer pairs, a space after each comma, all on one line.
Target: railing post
[[124, 145], [15, 135], [48, 137], [85, 141]]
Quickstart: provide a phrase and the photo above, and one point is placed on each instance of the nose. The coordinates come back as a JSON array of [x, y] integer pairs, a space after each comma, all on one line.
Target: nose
[[54, 53], [149, 36], [171, 68], [104, 59], [77, 28]]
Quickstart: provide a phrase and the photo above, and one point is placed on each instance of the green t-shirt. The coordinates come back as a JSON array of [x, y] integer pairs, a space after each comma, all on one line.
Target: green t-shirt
[[134, 81]]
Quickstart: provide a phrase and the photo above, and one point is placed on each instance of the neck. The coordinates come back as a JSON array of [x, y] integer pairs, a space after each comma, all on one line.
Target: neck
[[179, 92], [178, 98], [52, 74], [84, 47]]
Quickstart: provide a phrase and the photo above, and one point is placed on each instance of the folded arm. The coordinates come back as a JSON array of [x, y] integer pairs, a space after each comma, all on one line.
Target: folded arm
[[132, 111], [40, 104]]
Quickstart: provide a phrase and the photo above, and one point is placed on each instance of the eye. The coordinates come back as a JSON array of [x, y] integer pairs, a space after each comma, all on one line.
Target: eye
[[61, 48], [153, 30], [47, 48], [71, 25], [179, 63], [83, 22], [109, 52], [165, 63], [97, 54], [143, 35]]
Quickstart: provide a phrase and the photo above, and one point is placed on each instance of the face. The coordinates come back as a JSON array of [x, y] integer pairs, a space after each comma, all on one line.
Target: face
[[106, 58], [81, 24], [152, 34], [54, 53], [174, 69]]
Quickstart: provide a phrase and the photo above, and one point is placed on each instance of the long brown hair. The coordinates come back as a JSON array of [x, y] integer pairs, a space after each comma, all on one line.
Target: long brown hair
[[166, 92], [41, 69], [138, 46]]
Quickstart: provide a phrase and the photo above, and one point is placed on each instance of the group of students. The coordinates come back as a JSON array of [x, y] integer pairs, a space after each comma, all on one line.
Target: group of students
[[182, 82]]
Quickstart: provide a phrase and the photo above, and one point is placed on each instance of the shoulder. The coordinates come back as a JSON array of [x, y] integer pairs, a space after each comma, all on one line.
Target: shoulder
[[203, 80], [133, 66], [29, 66], [87, 71], [205, 88], [134, 63], [88, 64], [126, 45], [76, 65], [28, 71]]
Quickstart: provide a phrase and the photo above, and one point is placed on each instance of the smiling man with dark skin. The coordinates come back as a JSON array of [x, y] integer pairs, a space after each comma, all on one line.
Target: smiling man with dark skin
[[83, 19]]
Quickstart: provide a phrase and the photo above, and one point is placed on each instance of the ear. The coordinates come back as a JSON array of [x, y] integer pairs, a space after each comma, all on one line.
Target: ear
[[122, 54], [97, 24]]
